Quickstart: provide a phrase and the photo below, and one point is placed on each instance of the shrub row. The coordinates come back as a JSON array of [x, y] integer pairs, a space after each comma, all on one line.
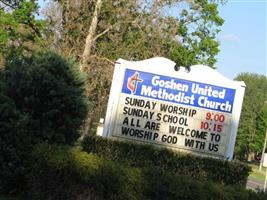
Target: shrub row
[[62, 172], [137, 155], [69, 173]]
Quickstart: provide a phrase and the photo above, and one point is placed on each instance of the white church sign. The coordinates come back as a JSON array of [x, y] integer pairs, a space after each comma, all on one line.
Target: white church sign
[[195, 111]]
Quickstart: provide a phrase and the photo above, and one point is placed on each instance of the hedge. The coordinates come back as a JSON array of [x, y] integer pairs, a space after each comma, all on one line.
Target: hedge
[[61, 172], [138, 155]]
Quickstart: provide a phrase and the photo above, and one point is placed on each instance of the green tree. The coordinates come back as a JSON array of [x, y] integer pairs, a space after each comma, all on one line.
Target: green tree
[[250, 137], [261, 125], [126, 28], [198, 26], [99, 32], [41, 100], [21, 32]]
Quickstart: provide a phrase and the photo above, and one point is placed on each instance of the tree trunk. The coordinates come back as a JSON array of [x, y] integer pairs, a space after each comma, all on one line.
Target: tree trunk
[[86, 54], [251, 157], [65, 14], [90, 37]]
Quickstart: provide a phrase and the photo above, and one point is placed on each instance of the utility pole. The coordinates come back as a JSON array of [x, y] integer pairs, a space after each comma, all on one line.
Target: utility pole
[[263, 150], [265, 182], [264, 146]]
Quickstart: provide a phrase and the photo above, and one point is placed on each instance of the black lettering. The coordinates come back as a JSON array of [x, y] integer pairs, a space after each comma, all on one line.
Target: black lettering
[[181, 110], [125, 121], [154, 105], [200, 145], [201, 135], [169, 139], [185, 111], [151, 115], [152, 125], [156, 135], [216, 147], [183, 121], [180, 131], [127, 99], [145, 114], [189, 142], [193, 113], [125, 109], [215, 137], [125, 130], [135, 122], [158, 116], [147, 105], [163, 107], [172, 129], [148, 135], [213, 147]]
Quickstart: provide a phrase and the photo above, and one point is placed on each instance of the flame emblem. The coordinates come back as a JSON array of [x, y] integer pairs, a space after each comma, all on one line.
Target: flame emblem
[[133, 82]]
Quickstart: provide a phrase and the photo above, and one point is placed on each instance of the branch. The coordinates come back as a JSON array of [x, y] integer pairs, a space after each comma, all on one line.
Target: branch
[[134, 22], [36, 30], [7, 4], [103, 33], [103, 58], [31, 25]]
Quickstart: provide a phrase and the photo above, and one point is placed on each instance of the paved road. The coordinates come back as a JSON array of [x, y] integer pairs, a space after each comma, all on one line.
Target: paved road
[[254, 185]]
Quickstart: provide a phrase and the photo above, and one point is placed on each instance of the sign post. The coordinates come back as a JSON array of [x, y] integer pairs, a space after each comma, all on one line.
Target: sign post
[[265, 165], [195, 111]]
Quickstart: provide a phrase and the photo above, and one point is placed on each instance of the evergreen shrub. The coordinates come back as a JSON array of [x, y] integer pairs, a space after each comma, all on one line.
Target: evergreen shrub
[[141, 156], [62, 172], [41, 100]]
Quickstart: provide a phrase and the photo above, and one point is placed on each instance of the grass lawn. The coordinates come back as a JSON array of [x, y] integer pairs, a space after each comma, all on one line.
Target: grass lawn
[[256, 174]]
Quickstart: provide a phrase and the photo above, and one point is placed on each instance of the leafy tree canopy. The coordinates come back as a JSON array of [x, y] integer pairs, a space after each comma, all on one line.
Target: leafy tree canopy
[[252, 125], [184, 31], [21, 31]]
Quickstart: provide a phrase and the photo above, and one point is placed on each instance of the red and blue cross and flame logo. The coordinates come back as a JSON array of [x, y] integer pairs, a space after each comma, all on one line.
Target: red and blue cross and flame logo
[[133, 82]]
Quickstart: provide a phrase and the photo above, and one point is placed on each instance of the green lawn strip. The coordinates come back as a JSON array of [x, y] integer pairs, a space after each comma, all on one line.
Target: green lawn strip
[[256, 174]]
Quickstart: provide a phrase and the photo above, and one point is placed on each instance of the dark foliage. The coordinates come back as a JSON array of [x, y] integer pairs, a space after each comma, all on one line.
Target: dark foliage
[[41, 100], [137, 155], [62, 172], [70, 174]]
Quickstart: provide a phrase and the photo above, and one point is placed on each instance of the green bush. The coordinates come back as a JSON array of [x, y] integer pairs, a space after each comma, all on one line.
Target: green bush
[[62, 172], [164, 185], [41, 99], [68, 173], [137, 155]]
